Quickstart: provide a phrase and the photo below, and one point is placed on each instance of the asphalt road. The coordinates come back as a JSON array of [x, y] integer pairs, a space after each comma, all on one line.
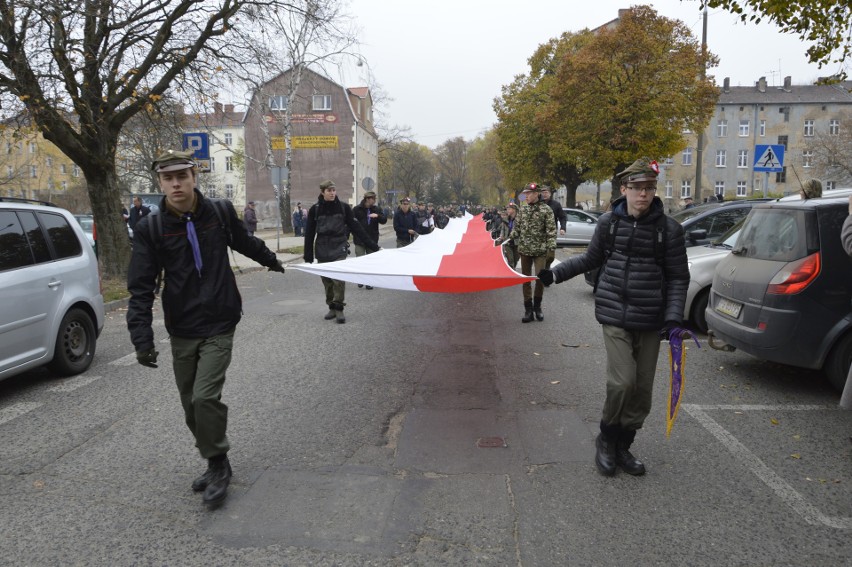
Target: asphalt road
[[428, 430]]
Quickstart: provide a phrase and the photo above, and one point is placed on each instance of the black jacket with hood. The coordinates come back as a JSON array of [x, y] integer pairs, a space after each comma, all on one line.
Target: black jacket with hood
[[327, 231], [635, 291]]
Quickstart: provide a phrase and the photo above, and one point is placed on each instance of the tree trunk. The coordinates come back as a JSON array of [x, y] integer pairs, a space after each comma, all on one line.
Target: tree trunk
[[113, 242]]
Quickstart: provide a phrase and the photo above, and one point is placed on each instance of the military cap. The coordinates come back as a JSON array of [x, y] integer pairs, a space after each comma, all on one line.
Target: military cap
[[326, 185], [512, 205], [173, 160], [643, 169], [812, 189], [370, 195], [404, 200], [532, 187]]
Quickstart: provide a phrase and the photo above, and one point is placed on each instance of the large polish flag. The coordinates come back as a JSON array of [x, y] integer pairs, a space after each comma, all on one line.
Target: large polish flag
[[459, 258]]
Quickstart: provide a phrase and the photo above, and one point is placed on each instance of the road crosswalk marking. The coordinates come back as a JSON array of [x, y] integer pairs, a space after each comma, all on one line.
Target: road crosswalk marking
[[72, 384], [16, 410]]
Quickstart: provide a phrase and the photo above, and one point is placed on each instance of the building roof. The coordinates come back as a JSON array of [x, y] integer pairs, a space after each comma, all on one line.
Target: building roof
[[223, 116], [789, 94]]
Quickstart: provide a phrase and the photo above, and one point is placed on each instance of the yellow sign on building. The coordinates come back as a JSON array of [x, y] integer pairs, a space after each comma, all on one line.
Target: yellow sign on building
[[278, 142], [315, 142]]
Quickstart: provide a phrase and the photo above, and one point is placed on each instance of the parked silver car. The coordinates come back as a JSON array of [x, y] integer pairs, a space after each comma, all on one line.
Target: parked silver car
[[579, 228], [702, 261], [51, 307]]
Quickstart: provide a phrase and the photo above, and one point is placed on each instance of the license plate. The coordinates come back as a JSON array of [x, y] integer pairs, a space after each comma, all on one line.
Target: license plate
[[730, 308]]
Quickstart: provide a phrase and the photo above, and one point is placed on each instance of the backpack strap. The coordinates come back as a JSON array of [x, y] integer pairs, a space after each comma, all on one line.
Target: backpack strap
[[660, 241], [222, 214], [610, 235]]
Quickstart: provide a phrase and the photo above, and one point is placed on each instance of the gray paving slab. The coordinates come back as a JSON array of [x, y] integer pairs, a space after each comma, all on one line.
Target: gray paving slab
[[555, 436]]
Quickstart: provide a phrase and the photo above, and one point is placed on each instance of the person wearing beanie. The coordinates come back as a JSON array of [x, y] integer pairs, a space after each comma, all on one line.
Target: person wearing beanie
[[812, 189]]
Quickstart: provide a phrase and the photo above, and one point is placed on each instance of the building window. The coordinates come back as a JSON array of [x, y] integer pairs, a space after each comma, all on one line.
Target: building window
[[687, 156], [669, 189], [719, 188], [64, 185], [744, 127], [809, 127], [668, 161], [721, 158], [807, 158], [212, 164], [48, 161], [322, 102], [722, 128], [834, 126], [63, 168], [741, 189], [229, 163], [763, 128], [781, 176], [782, 141], [685, 188], [829, 185], [75, 170], [32, 147], [742, 158], [277, 103], [33, 171], [229, 138], [229, 192]]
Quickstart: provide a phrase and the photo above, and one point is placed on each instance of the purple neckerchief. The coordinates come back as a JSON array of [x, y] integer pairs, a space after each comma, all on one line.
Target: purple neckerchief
[[193, 240]]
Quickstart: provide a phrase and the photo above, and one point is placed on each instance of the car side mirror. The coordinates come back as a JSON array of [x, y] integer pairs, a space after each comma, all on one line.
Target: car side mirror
[[698, 234]]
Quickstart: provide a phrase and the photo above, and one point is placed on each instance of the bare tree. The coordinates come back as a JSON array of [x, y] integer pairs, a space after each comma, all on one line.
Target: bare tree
[[452, 160], [102, 62], [832, 156]]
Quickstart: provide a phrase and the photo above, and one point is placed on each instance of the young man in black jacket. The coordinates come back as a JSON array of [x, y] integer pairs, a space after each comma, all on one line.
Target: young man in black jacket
[[369, 216], [405, 223], [640, 294], [327, 240], [188, 240]]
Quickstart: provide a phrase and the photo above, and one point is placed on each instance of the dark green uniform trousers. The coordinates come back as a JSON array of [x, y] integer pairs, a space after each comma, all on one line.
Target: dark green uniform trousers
[[631, 361], [200, 366]]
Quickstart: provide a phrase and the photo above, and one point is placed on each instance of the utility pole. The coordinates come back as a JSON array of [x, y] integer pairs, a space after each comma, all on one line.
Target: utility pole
[[700, 149]]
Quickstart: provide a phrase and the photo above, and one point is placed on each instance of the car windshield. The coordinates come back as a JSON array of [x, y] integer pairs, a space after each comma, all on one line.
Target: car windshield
[[86, 223], [773, 234], [729, 238], [681, 216]]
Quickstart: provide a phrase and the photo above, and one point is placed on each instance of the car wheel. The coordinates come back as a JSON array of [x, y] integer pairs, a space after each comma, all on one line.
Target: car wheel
[[699, 306], [75, 344], [837, 364]]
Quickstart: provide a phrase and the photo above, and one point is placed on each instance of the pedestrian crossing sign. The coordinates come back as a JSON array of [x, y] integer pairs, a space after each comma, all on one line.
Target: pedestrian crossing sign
[[769, 158]]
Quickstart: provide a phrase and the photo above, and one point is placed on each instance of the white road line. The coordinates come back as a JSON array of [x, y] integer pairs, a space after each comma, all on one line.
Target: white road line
[[16, 410], [766, 475], [72, 384]]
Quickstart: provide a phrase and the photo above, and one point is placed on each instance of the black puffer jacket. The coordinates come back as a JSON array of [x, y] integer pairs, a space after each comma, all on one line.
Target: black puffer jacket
[[193, 306], [327, 231], [633, 291]]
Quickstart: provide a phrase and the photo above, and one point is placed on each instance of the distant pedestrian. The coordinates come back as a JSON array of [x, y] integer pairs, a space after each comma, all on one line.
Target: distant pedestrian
[[327, 239], [299, 218], [405, 223], [250, 218], [369, 216], [137, 211], [510, 248], [188, 241], [688, 203]]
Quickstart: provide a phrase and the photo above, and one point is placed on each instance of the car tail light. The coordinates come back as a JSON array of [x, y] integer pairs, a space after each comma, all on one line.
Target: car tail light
[[796, 276], [94, 231]]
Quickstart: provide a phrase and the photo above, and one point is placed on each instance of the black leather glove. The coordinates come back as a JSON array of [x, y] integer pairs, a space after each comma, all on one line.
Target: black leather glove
[[309, 259], [546, 277], [278, 267], [668, 328], [147, 357]]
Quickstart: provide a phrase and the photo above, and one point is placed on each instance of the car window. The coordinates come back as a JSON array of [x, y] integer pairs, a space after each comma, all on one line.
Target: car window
[[35, 234], [14, 249], [576, 217], [724, 220], [61, 235], [771, 234]]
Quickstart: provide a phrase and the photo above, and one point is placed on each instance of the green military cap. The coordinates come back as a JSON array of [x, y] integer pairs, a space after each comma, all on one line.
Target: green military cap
[[532, 187], [512, 205], [812, 189], [370, 195], [173, 160], [643, 169], [326, 185]]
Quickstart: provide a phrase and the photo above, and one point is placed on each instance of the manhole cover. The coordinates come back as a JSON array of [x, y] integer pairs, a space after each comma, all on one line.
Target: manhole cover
[[491, 442]]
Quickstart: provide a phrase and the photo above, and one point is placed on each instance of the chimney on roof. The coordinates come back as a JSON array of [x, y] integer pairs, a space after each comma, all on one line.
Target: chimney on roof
[[788, 83], [761, 85], [229, 109], [621, 12], [726, 85], [217, 108]]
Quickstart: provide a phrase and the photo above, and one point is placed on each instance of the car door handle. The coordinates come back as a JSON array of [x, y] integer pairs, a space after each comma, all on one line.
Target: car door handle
[[55, 283]]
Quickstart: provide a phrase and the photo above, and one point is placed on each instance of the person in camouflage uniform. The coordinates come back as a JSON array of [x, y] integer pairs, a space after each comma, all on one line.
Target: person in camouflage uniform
[[534, 233]]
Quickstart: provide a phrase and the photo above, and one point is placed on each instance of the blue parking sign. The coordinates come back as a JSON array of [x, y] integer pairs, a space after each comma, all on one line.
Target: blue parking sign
[[197, 143]]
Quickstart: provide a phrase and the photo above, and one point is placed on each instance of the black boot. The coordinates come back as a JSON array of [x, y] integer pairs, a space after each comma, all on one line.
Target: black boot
[[539, 316], [331, 314], [605, 449], [528, 313], [220, 478], [338, 312], [624, 458], [201, 482]]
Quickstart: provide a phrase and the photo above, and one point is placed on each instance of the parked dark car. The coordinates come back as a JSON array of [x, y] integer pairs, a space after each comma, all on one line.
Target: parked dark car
[[705, 223], [783, 294]]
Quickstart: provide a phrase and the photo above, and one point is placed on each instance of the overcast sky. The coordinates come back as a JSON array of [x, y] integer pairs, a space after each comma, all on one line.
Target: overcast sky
[[444, 61]]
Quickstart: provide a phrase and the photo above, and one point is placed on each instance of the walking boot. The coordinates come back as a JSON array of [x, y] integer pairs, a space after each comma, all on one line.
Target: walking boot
[[528, 311], [539, 316], [338, 312], [331, 314], [220, 478], [624, 458], [605, 449], [201, 482]]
